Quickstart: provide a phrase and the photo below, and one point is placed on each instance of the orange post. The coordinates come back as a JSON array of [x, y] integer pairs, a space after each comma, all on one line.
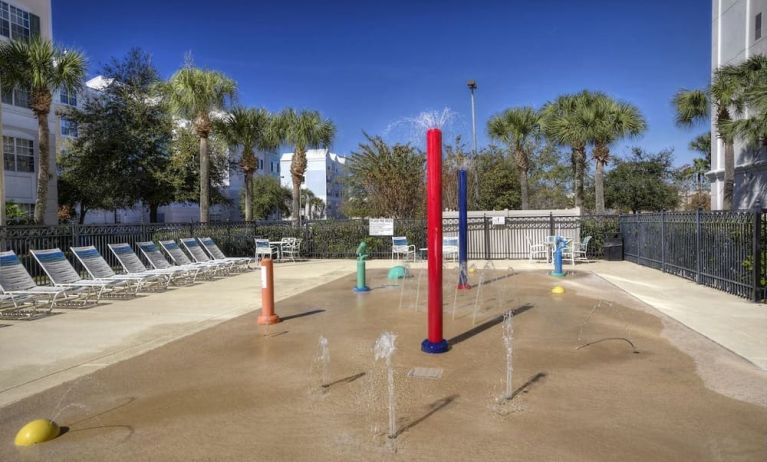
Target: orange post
[[267, 293]]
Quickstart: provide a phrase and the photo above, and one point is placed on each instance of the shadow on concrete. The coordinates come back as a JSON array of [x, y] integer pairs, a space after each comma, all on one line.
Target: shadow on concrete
[[301, 315], [433, 407], [525, 386], [633, 347], [479, 328], [348, 379]]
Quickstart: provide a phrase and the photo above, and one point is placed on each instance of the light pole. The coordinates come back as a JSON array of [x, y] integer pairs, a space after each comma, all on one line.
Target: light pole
[[472, 84]]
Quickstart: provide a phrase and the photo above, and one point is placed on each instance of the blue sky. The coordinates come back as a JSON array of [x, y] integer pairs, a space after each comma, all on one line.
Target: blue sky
[[366, 64]]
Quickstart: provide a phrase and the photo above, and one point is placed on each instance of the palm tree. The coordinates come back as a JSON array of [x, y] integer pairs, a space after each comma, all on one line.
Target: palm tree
[[612, 120], [40, 66], [194, 94], [252, 129], [566, 121], [303, 130], [517, 127], [751, 76]]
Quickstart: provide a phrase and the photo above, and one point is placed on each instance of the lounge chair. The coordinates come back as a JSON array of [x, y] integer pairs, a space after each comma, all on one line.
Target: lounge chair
[[131, 263], [210, 246], [180, 258], [20, 290], [158, 261], [62, 274], [99, 269], [399, 246], [199, 256], [450, 248]]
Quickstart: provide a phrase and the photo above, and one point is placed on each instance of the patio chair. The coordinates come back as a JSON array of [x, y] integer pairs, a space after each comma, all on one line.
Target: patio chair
[[400, 246], [20, 289], [62, 274], [179, 258], [537, 250], [210, 246], [199, 256], [290, 247], [99, 269], [159, 262], [450, 248], [576, 251], [132, 264], [264, 248]]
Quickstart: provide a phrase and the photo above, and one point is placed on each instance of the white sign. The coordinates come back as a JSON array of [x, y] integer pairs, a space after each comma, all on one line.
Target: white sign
[[499, 221], [382, 227], [264, 278]]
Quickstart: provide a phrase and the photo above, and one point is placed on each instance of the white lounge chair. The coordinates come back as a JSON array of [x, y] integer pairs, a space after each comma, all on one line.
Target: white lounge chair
[[99, 269], [132, 264], [199, 256], [400, 246], [178, 257], [62, 274], [159, 262], [210, 246]]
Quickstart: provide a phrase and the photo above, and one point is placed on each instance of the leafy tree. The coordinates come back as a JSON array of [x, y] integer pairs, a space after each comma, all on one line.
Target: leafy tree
[[612, 121], [303, 130], [251, 129], [499, 188], [268, 197], [517, 128], [184, 168], [642, 182], [42, 67], [550, 179], [456, 158], [385, 181], [194, 94], [122, 152]]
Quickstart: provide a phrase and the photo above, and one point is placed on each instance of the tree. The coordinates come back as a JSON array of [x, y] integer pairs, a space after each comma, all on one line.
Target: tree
[[251, 129], [303, 130], [567, 122], [385, 181], [194, 94], [268, 197], [751, 126], [642, 182], [517, 128], [456, 158], [42, 67], [612, 120], [122, 151], [184, 169], [499, 188], [550, 177]]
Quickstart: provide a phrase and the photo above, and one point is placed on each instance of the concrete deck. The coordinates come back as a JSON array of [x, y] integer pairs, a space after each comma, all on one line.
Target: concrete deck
[[40, 354]]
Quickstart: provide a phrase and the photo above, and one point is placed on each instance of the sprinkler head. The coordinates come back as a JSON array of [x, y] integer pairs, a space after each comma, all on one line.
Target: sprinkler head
[[558, 290], [37, 431]]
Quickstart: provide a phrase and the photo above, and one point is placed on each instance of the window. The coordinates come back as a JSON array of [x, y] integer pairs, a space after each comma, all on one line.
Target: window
[[67, 97], [18, 154], [17, 97], [16, 23], [758, 27], [68, 127]]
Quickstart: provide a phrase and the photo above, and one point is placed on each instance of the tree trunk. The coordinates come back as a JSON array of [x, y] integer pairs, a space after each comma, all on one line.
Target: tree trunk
[[204, 180], [297, 170], [523, 185], [248, 195], [599, 189], [153, 213], [729, 176], [83, 211], [43, 135], [578, 158]]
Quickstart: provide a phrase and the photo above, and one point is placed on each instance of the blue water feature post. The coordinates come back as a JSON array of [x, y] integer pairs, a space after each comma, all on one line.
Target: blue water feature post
[[463, 227], [560, 244]]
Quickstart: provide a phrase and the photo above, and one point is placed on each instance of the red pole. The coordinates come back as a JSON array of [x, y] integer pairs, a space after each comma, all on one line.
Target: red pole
[[267, 294], [434, 343]]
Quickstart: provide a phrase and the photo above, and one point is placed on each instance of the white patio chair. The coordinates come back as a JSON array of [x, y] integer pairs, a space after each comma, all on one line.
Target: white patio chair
[[536, 251], [399, 246], [576, 251], [265, 249], [291, 247], [450, 248]]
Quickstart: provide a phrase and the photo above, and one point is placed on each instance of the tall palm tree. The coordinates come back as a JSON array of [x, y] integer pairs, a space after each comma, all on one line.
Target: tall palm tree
[[750, 126], [517, 127], [567, 122], [303, 130], [42, 67], [613, 120], [194, 94], [251, 129]]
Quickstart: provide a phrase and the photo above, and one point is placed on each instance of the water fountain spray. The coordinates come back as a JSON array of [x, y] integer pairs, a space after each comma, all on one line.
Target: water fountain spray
[[384, 349]]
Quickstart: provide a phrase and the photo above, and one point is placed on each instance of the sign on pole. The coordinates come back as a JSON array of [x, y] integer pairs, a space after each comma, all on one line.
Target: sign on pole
[[382, 227]]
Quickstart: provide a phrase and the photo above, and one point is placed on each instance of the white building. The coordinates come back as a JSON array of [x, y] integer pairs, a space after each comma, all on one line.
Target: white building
[[324, 177], [738, 31], [20, 144]]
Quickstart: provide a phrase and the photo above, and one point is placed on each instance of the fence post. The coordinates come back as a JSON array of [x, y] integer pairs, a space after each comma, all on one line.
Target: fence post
[[487, 237], [662, 240], [757, 251], [697, 245], [551, 224], [75, 235]]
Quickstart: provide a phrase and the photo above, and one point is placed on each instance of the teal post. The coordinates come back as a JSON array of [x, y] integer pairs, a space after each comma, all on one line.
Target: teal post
[[362, 251]]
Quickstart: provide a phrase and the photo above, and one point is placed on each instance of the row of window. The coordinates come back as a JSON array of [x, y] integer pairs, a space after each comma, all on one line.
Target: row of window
[[16, 23], [20, 97], [18, 154]]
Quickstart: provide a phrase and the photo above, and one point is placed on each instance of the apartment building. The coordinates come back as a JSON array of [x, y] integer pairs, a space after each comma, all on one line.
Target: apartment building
[[325, 172]]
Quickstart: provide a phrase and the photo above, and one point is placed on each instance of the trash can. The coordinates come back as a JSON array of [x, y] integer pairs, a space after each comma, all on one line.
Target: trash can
[[613, 247]]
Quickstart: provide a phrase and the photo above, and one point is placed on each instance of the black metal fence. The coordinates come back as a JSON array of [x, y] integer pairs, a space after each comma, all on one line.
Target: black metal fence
[[723, 250]]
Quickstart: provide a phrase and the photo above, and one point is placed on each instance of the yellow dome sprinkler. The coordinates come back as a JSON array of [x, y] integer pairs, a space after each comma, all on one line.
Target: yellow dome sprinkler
[[558, 290], [37, 431]]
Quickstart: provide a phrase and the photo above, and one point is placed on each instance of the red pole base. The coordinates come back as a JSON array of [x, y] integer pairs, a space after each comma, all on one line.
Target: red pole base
[[464, 286], [268, 319]]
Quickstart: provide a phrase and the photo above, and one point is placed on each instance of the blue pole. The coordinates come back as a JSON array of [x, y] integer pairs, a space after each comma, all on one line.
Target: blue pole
[[463, 226], [560, 244]]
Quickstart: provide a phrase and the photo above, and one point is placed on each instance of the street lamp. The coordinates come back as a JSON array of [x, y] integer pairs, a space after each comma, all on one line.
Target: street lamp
[[472, 84]]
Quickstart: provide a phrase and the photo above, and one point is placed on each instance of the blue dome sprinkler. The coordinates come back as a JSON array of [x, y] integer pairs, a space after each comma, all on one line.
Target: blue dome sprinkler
[[560, 244], [362, 253]]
